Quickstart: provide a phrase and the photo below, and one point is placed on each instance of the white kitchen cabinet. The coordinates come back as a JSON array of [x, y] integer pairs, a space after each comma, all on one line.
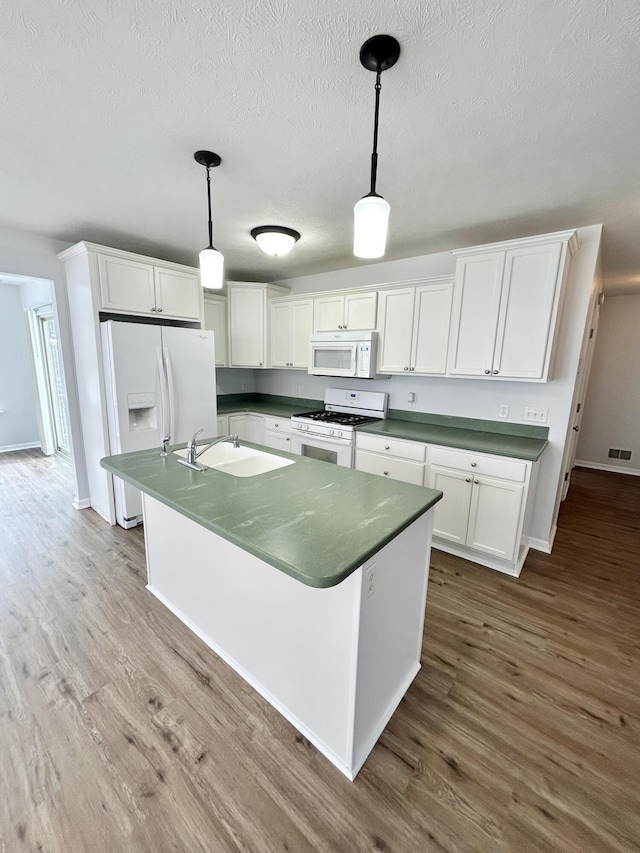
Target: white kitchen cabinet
[[222, 425], [215, 319], [247, 426], [482, 508], [354, 311], [247, 313], [413, 326], [507, 301], [132, 286], [391, 457], [277, 433], [291, 324]]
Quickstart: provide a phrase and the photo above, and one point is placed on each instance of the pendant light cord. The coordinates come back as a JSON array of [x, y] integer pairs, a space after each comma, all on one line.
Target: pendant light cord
[[210, 246], [374, 154]]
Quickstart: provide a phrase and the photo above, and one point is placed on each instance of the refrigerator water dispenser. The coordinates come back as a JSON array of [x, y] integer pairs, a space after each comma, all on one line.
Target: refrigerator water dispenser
[[142, 411]]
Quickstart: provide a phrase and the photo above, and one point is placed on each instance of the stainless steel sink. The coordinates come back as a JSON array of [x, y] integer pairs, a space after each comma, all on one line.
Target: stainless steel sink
[[239, 461]]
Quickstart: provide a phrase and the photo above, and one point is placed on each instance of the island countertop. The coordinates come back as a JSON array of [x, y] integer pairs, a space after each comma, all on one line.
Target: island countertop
[[314, 521]]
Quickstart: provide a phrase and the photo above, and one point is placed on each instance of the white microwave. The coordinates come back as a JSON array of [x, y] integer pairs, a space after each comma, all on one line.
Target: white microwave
[[351, 354]]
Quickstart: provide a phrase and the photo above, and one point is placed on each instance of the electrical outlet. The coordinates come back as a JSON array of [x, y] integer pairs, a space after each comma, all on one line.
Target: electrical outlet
[[411, 400], [370, 581], [504, 411], [533, 414]]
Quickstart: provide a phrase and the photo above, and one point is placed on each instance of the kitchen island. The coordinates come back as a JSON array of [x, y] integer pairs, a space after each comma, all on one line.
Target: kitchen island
[[309, 580]]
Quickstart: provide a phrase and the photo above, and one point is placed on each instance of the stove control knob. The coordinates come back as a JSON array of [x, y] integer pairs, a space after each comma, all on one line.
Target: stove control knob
[[332, 432], [305, 426], [339, 433]]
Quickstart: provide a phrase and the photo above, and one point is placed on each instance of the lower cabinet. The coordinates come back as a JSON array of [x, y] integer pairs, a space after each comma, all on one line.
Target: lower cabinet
[[247, 427], [483, 501], [222, 425], [277, 433], [391, 457]]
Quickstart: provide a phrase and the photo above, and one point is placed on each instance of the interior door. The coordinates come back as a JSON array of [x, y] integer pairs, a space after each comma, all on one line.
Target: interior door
[[191, 372]]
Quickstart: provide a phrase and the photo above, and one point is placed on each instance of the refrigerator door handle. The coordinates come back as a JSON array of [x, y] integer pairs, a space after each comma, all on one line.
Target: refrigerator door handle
[[166, 433], [170, 391]]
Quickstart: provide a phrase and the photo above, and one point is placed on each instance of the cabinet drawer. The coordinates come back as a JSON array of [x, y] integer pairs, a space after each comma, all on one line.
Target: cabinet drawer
[[395, 469], [277, 424], [480, 463], [391, 446]]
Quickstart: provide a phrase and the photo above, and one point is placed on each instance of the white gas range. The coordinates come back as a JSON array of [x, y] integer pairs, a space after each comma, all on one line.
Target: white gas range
[[328, 434]]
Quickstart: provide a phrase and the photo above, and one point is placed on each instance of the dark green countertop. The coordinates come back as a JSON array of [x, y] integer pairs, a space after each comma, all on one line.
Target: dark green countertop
[[314, 521], [520, 441]]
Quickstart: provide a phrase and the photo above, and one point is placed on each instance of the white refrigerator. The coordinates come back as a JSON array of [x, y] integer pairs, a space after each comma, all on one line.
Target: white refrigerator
[[160, 382]]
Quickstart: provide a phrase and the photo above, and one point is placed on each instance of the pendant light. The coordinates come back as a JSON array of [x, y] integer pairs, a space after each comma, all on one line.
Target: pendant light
[[211, 260], [371, 213], [274, 239]]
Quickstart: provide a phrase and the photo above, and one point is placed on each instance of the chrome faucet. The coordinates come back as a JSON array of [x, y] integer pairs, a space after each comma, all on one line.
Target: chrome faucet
[[193, 453], [165, 445]]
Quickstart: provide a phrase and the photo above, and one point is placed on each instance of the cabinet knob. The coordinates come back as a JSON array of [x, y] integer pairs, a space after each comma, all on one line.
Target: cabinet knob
[[467, 479], [288, 439], [474, 464], [276, 425], [260, 364], [576, 428], [386, 473], [495, 371], [386, 447], [153, 309], [487, 371], [406, 368], [476, 482], [159, 310], [412, 368]]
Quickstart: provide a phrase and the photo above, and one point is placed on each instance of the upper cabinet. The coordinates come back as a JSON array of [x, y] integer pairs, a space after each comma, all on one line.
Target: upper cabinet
[[247, 311], [215, 319], [291, 324], [507, 301], [353, 312], [131, 285], [413, 325]]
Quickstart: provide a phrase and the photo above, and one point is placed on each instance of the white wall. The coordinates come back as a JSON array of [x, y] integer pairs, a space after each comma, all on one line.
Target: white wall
[[236, 380], [473, 398], [18, 421], [612, 407], [36, 257]]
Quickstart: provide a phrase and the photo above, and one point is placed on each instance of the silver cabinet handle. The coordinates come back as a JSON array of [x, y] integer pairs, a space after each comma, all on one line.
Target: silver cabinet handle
[[159, 310], [474, 464], [153, 309], [467, 479], [386, 473], [260, 365], [276, 425], [386, 447], [476, 482], [487, 371], [288, 439], [495, 371], [412, 368], [406, 368]]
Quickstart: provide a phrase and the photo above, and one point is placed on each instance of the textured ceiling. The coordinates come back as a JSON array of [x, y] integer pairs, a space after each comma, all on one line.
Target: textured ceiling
[[500, 120]]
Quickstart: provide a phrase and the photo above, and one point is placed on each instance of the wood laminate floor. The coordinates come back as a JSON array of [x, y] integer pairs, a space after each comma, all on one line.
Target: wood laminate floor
[[121, 731]]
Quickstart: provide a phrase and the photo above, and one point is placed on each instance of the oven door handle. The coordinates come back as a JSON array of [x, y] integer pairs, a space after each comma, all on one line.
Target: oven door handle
[[327, 439]]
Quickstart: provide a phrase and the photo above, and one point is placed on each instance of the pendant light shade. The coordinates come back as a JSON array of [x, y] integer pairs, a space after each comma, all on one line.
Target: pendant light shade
[[370, 222], [274, 239], [211, 260], [371, 213]]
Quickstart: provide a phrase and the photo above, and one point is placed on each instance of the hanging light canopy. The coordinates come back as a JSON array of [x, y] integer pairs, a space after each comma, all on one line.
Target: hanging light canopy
[[274, 239], [211, 260], [371, 213]]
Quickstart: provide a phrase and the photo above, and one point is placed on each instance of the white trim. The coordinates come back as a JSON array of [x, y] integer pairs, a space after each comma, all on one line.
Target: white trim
[[544, 545], [85, 503], [570, 237], [615, 469], [512, 569], [83, 246], [367, 288], [8, 448]]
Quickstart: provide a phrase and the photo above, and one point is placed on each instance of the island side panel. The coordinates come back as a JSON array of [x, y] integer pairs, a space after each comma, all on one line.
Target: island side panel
[[394, 597], [293, 643]]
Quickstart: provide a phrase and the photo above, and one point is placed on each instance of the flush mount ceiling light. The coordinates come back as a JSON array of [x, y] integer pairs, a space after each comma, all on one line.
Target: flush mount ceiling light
[[211, 260], [274, 239], [371, 213]]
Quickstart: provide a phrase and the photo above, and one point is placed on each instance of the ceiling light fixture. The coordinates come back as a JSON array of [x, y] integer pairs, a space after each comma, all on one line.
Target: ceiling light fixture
[[211, 260], [371, 213], [274, 239]]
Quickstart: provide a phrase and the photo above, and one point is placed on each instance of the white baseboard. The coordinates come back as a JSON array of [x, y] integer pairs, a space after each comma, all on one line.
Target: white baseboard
[[544, 545], [85, 503], [8, 448], [616, 469]]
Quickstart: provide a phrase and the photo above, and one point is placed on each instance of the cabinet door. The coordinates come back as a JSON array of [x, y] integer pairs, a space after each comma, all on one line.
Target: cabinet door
[[301, 329], [126, 286], [215, 319], [360, 311], [177, 294], [277, 440], [280, 334], [451, 515], [247, 326], [255, 428], [328, 313], [527, 311], [239, 425], [431, 319], [222, 425], [494, 518], [395, 322], [474, 320]]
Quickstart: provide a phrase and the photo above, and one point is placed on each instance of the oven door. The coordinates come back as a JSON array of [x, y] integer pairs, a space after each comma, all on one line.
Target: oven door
[[333, 358], [334, 450]]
